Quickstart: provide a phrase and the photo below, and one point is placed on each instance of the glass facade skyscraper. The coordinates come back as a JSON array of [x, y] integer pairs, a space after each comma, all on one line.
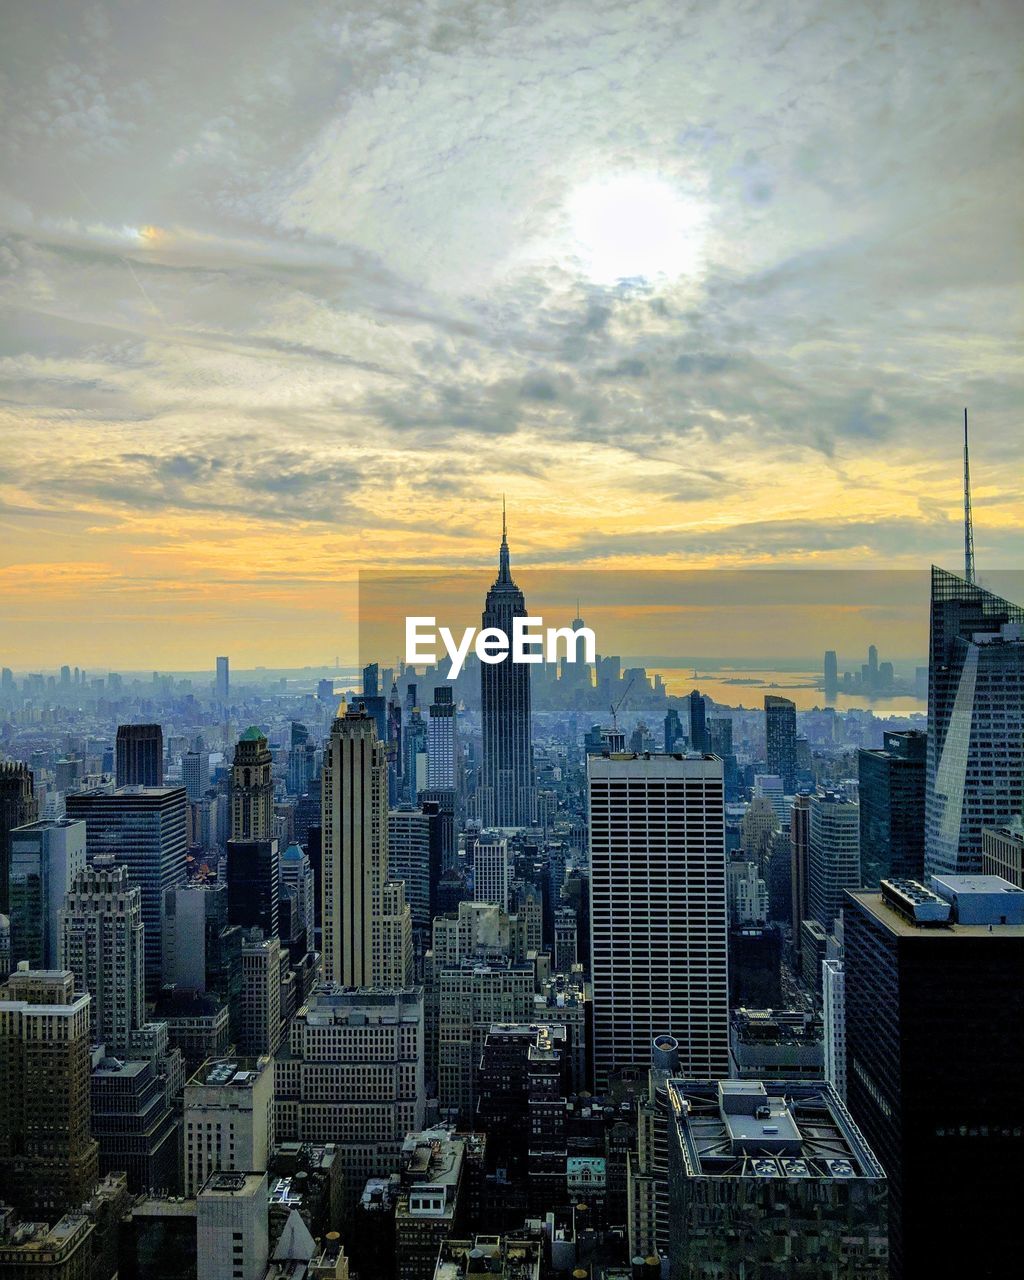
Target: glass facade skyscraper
[[975, 771], [780, 739], [891, 796]]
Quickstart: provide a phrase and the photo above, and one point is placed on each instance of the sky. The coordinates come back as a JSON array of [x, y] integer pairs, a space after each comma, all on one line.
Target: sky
[[288, 291]]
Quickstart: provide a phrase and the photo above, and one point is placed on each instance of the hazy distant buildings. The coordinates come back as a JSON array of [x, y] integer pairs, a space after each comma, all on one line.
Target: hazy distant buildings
[[195, 774], [934, 982], [222, 681], [367, 927], [975, 772], [46, 856], [143, 829], [698, 722], [891, 795], [659, 919], [780, 737], [140, 755], [507, 768], [831, 675]]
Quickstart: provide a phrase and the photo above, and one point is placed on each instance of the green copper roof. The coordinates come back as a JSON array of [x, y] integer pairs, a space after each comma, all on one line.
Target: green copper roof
[[252, 734]]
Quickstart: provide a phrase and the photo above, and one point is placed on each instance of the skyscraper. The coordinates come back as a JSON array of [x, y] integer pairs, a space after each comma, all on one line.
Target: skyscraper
[[195, 774], [833, 855], [673, 729], [48, 1159], [698, 722], [891, 796], [367, 928], [975, 718], [659, 919], [831, 675], [507, 766], [492, 872], [140, 755], [143, 829], [252, 788], [101, 942], [442, 741], [780, 738], [18, 806], [799, 840], [46, 856], [222, 683], [934, 989]]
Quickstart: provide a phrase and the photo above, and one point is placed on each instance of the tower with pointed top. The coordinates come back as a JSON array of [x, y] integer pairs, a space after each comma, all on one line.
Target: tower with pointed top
[[507, 766], [968, 516]]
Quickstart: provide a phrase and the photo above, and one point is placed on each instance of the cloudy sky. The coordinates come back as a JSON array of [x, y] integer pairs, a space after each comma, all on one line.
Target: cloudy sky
[[290, 289]]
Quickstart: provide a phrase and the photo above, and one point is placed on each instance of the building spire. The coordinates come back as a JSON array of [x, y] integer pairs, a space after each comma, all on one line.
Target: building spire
[[968, 517], [504, 573]]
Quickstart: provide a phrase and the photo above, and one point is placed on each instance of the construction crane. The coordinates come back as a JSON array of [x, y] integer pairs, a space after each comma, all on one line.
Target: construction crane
[[615, 706]]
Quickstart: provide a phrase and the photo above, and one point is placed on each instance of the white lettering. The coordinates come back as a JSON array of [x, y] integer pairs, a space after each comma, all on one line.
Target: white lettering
[[572, 639], [413, 639], [457, 652], [524, 640], [491, 645]]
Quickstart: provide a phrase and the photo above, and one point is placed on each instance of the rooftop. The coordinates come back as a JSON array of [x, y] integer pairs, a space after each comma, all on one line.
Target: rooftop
[[776, 1129], [234, 1073]]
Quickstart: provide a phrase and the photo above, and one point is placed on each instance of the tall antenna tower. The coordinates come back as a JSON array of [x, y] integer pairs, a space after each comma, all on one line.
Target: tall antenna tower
[[968, 517]]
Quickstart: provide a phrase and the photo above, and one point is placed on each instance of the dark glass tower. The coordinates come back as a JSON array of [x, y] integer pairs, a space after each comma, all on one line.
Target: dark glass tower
[[140, 755], [507, 768], [891, 794], [18, 806], [698, 722], [780, 735], [975, 772], [934, 990]]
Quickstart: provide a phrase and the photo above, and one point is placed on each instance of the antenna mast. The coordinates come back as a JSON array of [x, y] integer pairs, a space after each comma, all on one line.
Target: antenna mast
[[968, 517]]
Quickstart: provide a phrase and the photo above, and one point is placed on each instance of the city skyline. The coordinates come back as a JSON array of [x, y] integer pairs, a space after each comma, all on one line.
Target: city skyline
[[311, 301]]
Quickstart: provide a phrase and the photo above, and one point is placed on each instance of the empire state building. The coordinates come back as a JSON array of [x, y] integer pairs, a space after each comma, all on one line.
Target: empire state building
[[506, 798]]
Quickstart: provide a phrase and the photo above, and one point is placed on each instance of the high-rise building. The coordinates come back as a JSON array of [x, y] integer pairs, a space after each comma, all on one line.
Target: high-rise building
[[134, 1124], [367, 926], [48, 1157], [1002, 852], [492, 872], [229, 1118], [673, 730], [833, 855], [831, 675], [799, 841], [934, 1041], [222, 682], [260, 1030], [833, 1000], [143, 829], [352, 1073], [975, 719], [297, 874], [891, 797], [18, 806], [140, 755], [698, 722], [415, 858], [253, 875], [771, 1178], [371, 680], [659, 918], [101, 942], [442, 740], [195, 774], [780, 739], [252, 788], [232, 1231], [46, 856], [507, 768], [428, 1207]]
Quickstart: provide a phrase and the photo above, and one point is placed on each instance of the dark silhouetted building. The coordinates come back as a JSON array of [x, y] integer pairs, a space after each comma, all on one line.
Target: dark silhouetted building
[[780, 740], [934, 992], [891, 796], [140, 755]]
